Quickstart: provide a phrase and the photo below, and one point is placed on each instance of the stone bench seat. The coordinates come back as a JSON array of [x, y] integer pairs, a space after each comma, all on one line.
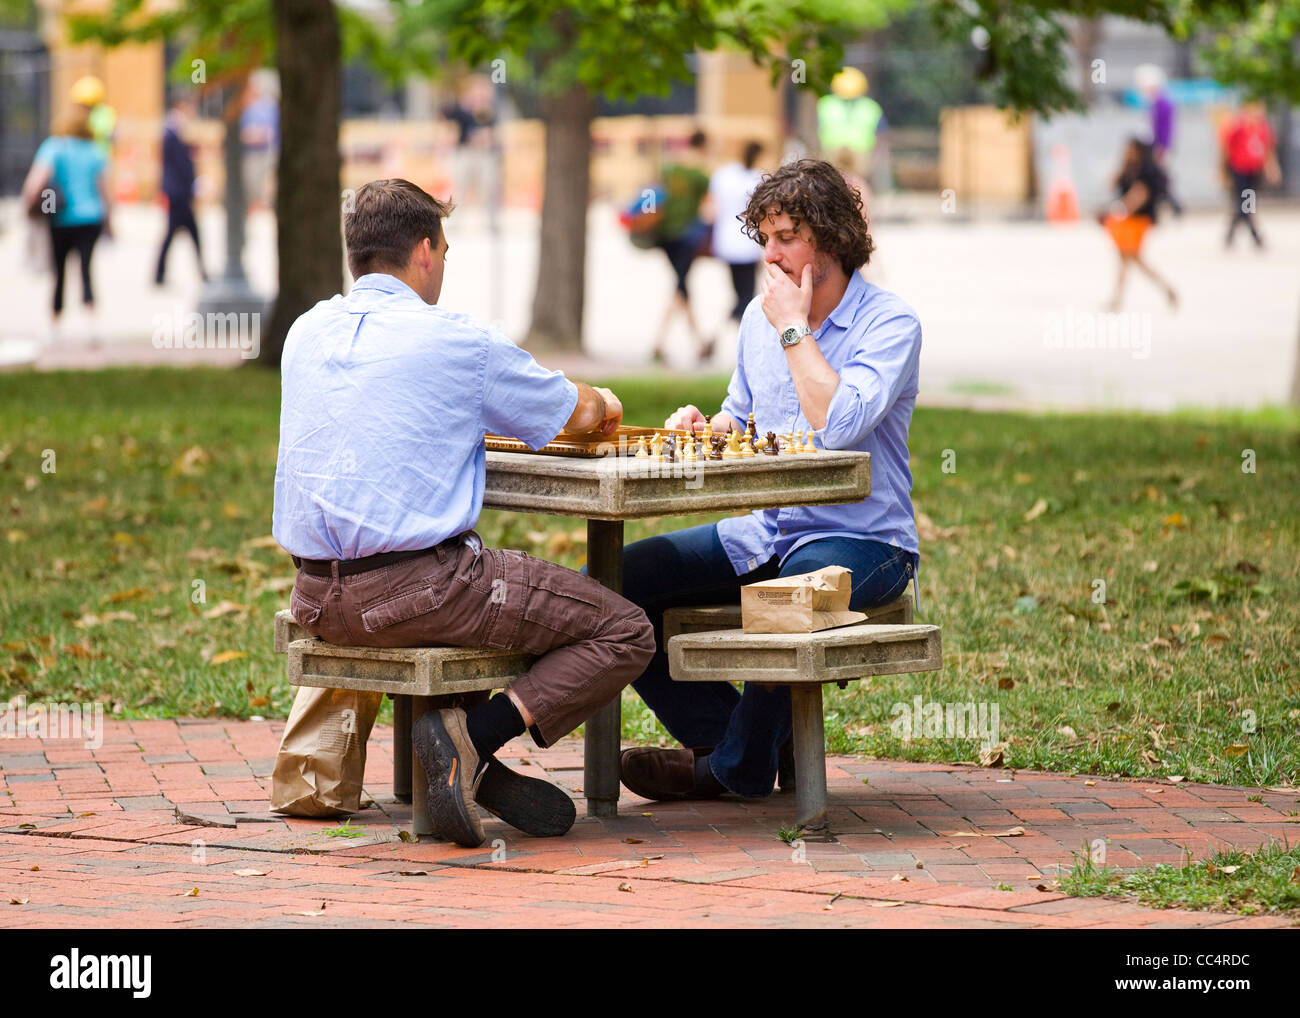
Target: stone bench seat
[[417, 679], [805, 662]]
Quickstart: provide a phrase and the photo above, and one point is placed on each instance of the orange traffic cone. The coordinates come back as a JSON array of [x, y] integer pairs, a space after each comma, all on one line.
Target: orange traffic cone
[[1062, 198]]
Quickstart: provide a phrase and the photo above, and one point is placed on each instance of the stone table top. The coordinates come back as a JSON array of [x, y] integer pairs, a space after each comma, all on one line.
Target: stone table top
[[626, 488]]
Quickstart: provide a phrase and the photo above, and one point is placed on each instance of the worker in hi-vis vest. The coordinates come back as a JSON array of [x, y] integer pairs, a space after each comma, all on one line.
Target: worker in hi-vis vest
[[849, 122]]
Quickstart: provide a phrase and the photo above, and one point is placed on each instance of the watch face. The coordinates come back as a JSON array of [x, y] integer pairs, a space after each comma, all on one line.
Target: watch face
[[790, 337]]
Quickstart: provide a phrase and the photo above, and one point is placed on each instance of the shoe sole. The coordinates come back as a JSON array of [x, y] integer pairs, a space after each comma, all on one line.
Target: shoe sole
[[451, 815], [530, 805]]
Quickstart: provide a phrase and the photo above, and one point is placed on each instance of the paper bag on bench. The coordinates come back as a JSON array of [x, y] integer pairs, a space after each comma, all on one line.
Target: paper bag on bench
[[322, 758], [799, 604]]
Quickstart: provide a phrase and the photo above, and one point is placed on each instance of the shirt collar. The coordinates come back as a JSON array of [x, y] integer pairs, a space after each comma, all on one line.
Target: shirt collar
[[853, 294], [384, 283]]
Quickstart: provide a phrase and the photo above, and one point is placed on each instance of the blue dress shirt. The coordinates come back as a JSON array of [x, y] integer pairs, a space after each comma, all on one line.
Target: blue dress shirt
[[873, 341], [384, 403]]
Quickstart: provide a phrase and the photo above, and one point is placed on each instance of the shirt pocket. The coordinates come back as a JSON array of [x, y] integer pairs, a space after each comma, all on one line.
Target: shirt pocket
[[401, 606]]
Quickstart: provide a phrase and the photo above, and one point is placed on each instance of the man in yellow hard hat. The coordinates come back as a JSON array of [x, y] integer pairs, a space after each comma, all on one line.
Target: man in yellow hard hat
[[849, 122], [88, 91]]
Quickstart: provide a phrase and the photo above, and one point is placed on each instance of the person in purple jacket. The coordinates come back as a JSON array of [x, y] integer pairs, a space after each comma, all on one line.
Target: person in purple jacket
[[178, 186], [1151, 86]]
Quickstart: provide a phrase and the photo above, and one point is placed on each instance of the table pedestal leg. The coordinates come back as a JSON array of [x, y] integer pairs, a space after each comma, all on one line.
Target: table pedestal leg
[[809, 755], [604, 728]]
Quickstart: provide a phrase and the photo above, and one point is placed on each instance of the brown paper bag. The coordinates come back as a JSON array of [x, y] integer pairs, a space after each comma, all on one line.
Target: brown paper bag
[[322, 758], [805, 603]]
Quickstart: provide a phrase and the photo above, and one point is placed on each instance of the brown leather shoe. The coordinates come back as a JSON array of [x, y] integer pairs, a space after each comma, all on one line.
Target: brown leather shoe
[[662, 774]]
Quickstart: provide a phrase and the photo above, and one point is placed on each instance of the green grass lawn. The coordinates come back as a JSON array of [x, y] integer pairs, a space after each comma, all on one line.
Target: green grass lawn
[[1124, 592]]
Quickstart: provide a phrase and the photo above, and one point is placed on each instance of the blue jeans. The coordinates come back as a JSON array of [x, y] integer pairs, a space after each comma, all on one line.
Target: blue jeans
[[745, 731]]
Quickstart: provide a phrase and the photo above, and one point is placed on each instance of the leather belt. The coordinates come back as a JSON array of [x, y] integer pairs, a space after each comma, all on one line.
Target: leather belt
[[350, 567]]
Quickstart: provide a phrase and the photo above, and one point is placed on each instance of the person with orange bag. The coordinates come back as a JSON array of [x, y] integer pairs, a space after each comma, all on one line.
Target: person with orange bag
[[1140, 187]]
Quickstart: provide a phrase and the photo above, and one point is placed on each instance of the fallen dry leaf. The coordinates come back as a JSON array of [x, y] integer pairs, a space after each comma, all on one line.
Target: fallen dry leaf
[[625, 886], [412, 873], [250, 873], [1036, 510], [226, 655], [991, 757], [192, 893], [1236, 749], [1010, 832], [223, 608], [19, 901], [887, 904]]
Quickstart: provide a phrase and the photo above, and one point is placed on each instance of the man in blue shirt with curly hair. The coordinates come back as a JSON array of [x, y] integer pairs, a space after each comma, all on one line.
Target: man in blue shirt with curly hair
[[825, 350]]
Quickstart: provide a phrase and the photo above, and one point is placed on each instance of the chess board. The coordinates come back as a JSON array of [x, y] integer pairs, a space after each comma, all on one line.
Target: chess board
[[592, 445]]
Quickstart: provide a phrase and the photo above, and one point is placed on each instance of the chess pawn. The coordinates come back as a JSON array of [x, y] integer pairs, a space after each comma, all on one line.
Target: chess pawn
[[751, 432], [707, 435], [810, 445], [657, 448], [770, 444], [788, 448], [688, 449], [747, 446], [801, 441], [642, 450], [732, 451], [670, 448]]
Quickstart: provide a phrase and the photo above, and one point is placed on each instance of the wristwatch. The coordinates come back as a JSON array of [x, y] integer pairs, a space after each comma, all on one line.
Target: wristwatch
[[792, 335]]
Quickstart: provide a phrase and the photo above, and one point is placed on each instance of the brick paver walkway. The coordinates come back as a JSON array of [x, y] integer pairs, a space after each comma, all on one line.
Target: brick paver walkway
[[91, 838]]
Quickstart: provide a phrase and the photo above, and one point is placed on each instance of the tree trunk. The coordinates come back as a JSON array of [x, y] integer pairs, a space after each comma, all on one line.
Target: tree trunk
[[562, 258], [307, 200]]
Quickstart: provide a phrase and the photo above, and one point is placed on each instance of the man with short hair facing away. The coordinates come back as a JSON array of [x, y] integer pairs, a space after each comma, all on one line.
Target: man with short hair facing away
[[824, 350], [386, 398]]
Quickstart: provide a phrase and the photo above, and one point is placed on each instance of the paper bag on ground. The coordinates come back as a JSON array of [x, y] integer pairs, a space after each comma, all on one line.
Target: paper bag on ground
[[322, 758], [799, 604]]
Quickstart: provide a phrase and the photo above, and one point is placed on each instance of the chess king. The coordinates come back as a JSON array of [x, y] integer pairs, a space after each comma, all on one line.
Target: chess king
[[386, 396], [821, 350]]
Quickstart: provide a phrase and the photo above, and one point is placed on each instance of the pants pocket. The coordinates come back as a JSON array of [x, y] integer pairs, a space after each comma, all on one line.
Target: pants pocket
[[304, 610], [400, 607]]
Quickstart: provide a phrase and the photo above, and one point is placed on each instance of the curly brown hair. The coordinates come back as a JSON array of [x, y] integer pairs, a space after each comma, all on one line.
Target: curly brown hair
[[813, 192]]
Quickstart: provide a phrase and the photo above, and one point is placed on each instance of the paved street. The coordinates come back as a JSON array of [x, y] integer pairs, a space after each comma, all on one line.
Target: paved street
[[1008, 308]]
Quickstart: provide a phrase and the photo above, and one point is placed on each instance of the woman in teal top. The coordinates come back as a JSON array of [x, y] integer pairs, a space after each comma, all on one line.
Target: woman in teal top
[[68, 182]]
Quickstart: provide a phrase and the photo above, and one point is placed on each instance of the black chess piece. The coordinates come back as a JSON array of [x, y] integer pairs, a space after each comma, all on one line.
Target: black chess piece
[[670, 449], [771, 444]]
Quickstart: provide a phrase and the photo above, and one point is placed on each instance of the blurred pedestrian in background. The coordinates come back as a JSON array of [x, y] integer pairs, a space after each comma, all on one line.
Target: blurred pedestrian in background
[[259, 129], [1140, 188], [178, 185], [1249, 156], [68, 182], [850, 126], [682, 236], [102, 118], [729, 191], [1151, 86], [473, 111]]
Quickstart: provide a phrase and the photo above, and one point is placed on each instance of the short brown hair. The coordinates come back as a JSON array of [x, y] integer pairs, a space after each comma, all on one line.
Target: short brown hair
[[387, 218], [813, 192], [75, 123]]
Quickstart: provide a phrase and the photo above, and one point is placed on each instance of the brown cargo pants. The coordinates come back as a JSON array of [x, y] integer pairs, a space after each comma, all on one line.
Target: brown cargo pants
[[592, 642]]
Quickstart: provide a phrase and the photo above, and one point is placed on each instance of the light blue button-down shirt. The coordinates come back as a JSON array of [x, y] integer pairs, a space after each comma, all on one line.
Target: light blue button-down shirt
[[873, 341], [384, 403]]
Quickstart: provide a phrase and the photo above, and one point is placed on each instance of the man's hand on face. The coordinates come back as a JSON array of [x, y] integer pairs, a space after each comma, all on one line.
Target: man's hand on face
[[613, 412], [784, 303]]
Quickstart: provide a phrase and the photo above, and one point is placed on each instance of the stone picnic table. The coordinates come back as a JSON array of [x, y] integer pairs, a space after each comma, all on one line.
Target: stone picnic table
[[610, 490]]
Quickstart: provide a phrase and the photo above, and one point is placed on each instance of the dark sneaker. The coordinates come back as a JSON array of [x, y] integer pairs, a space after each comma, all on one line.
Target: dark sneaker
[[663, 774], [531, 805], [450, 761]]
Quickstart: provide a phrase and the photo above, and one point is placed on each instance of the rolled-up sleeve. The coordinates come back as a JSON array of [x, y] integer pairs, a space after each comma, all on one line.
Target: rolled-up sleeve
[[879, 371], [521, 399]]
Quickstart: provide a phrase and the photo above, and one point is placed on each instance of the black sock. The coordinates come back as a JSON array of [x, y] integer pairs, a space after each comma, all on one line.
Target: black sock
[[704, 779], [492, 724]]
